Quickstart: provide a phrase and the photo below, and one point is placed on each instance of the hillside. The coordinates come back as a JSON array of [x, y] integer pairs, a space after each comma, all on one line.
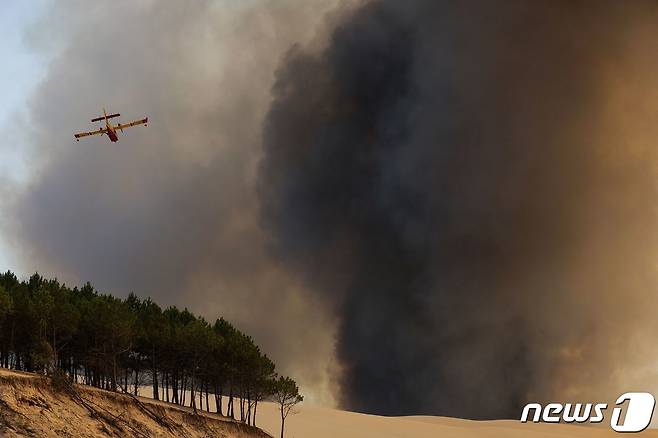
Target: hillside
[[30, 406]]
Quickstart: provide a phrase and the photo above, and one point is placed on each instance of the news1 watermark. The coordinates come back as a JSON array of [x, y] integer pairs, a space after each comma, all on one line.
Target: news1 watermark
[[634, 416]]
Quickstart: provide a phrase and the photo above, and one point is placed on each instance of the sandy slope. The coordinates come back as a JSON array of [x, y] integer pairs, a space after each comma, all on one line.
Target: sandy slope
[[29, 407]]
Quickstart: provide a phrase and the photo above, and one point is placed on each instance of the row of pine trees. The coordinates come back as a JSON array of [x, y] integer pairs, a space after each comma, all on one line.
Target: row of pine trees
[[123, 344]]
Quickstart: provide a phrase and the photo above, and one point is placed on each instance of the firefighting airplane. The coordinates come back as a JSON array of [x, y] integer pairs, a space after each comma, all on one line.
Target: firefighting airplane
[[110, 130]]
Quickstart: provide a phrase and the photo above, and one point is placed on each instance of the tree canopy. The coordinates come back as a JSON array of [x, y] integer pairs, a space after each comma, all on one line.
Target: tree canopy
[[123, 344]]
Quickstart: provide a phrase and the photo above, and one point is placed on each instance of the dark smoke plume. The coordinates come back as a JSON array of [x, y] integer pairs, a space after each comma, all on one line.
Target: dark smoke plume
[[463, 183]]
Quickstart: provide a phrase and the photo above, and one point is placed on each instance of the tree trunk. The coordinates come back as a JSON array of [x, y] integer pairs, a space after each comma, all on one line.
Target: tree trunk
[[241, 408], [183, 388], [207, 397], [218, 401], [166, 379], [55, 347], [114, 373], [174, 385], [192, 395], [156, 395], [201, 395], [221, 401], [255, 409], [231, 411]]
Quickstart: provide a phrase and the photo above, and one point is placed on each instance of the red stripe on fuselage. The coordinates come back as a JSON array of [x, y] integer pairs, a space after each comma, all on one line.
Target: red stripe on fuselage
[[112, 135]]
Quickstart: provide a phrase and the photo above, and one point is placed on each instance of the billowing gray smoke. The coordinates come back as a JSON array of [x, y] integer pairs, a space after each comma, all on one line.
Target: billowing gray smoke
[[170, 211], [471, 186]]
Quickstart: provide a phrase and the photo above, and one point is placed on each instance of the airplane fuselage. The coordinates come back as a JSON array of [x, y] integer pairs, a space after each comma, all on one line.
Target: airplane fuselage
[[111, 133]]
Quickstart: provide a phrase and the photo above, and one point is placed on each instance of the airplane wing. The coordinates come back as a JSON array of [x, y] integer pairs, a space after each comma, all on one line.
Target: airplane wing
[[79, 135], [135, 123]]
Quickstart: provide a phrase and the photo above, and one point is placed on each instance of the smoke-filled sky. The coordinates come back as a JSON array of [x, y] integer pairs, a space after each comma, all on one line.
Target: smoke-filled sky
[[170, 211], [416, 207]]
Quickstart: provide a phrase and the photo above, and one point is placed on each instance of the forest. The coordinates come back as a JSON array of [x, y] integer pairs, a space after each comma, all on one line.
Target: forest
[[123, 344]]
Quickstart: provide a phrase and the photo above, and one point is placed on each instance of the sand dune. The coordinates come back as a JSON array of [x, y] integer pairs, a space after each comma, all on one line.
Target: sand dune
[[317, 422], [27, 404]]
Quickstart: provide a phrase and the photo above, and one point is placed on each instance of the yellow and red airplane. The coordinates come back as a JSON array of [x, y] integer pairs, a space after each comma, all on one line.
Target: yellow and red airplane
[[110, 130]]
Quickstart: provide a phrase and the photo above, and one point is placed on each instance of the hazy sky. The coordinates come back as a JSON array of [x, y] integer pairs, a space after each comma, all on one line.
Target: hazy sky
[[23, 67], [169, 211]]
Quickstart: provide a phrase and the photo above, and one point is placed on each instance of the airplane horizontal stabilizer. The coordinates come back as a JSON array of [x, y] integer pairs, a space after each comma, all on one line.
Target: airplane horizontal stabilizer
[[97, 119]]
